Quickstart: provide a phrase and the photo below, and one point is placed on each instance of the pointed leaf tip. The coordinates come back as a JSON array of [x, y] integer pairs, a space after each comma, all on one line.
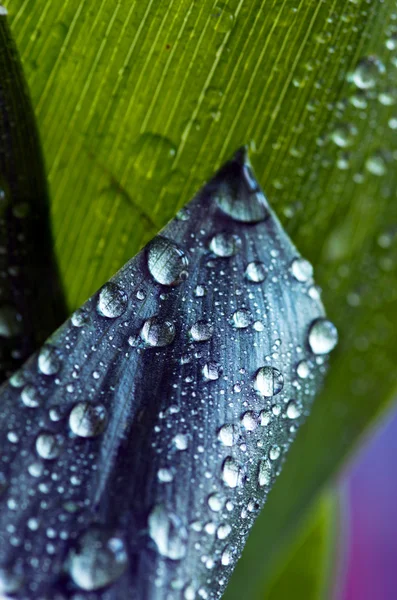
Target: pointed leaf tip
[[147, 434]]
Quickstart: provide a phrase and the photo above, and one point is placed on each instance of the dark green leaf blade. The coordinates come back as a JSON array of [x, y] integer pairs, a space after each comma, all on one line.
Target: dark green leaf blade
[[154, 422], [31, 301]]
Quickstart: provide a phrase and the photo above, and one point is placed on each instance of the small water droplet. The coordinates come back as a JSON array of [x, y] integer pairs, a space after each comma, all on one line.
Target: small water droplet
[[264, 473], [112, 301], [167, 262], [323, 336], [301, 269], [181, 441], [153, 156], [225, 245], [255, 272], [30, 396], [88, 420], [231, 472], [48, 360], [165, 475], [98, 560], [10, 323], [200, 291], [79, 317], [367, 72], [10, 582], [241, 318], [226, 557], [223, 531], [303, 369], [168, 533], [376, 164], [49, 445], [227, 434], [249, 421], [344, 134], [274, 452], [211, 371], [201, 331], [269, 381], [215, 502], [158, 333], [293, 411], [223, 18]]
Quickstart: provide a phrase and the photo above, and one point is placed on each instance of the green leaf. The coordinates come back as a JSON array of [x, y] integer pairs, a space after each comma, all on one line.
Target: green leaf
[[31, 301], [137, 102], [303, 570]]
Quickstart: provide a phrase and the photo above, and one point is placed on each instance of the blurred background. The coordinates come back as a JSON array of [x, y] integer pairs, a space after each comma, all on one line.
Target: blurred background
[[368, 569]]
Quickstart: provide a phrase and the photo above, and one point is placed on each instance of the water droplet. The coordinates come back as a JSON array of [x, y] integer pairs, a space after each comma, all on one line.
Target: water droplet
[[48, 360], [274, 452], [265, 417], [225, 244], [181, 441], [158, 333], [301, 269], [255, 272], [10, 582], [48, 445], [293, 411], [249, 421], [376, 164], [303, 369], [231, 472], [112, 301], [201, 331], [223, 18], [30, 396], [387, 97], [167, 262], [227, 434], [367, 72], [226, 557], [168, 533], [264, 473], [269, 381], [239, 195], [10, 323], [241, 318], [79, 317], [211, 371], [98, 560], [216, 502], [88, 420], [200, 291], [223, 531], [153, 156], [323, 336], [343, 135], [165, 475]]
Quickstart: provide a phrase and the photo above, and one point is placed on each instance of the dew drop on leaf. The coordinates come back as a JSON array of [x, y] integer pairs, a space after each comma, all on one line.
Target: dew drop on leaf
[[48, 445], [323, 336], [255, 272], [88, 420], [48, 360], [158, 333], [112, 301], [201, 331], [224, 244], [367, 72], [269, 381], [168, 533], [167, 262], [98, 560], [241, 318], [301, 269], [231, 472], [227, 435]]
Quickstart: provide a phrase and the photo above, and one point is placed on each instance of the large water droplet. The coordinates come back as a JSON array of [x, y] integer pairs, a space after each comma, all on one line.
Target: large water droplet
[[231, 472], [323, 336], [158, 333], [88, 420], [153, 156], [167, 262], [224, 244], [49, 445], [10, 582], [201, 331], [168, 533], [48, 360], [269, 381], [239, 195], [255, 272], [98, 560], [301, 269], [112, 301]]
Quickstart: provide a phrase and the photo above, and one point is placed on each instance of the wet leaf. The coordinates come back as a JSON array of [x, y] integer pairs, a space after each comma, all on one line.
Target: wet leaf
[[31, 302], [140, 443]]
